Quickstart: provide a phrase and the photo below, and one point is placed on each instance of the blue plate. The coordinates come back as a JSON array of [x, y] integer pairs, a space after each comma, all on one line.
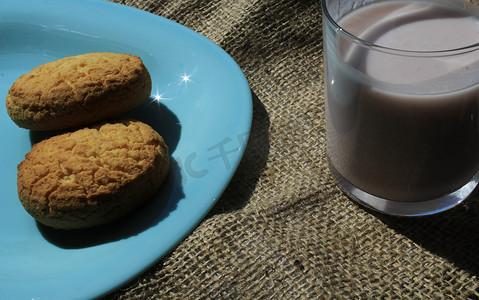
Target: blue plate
[[200, 103]]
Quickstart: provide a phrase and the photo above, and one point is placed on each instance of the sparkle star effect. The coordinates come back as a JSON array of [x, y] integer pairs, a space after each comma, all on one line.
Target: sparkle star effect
[[160, 97], [185, 78], [173, 89]]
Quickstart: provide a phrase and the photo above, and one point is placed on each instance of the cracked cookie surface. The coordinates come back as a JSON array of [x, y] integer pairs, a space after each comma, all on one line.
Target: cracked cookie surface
[[78, 90], [93, 175]]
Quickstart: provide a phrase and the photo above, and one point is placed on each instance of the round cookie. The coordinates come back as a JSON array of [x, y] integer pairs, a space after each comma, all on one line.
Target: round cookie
[[78, 90], [93, 175]]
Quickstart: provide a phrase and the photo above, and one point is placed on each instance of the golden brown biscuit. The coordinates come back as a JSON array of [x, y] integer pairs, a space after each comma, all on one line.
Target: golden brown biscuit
[[78, 90], [93, 175]]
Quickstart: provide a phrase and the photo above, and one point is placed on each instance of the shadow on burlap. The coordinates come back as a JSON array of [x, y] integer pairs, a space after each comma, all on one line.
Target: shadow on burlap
[[282, 229]]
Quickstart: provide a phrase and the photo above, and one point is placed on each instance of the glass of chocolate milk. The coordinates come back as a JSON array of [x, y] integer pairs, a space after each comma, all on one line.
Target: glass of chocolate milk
[[402, 109]]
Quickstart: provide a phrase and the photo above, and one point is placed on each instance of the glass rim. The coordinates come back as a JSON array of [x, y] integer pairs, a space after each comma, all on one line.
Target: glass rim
[[434, 53]]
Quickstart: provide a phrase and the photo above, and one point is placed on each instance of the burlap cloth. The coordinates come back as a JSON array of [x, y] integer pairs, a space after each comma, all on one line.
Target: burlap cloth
[[282, 229]]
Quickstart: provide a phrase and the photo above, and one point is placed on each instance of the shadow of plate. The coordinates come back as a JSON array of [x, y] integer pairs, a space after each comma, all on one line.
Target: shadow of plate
[[242, 185]]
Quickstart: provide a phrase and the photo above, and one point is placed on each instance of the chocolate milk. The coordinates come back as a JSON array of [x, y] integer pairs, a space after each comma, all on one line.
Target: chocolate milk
[[404, 125]]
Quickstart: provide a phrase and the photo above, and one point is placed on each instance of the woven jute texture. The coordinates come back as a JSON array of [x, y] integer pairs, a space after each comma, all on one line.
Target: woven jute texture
[[282, 229]]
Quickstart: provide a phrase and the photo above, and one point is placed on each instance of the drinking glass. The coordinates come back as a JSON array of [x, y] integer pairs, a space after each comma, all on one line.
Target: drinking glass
[[402, 123]]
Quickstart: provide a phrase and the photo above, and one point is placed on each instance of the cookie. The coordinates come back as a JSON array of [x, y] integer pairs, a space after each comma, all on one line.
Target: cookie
[[78, 90], [92, 176]]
